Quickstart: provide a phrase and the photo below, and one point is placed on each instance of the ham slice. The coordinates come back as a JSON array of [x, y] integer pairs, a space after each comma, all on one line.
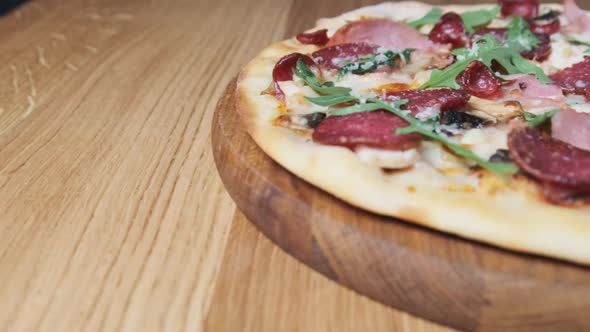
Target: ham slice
[[382, 32], [578, 18], [572, 127], [533, 96]]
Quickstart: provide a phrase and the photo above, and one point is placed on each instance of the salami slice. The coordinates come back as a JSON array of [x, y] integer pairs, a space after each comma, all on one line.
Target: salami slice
[[524, 8], [550, 28], [449, 30], [431, 99], [319, 37], [368, 129], [550, 160], [574, 79], [479, 81], [334, 57], [283, 70]]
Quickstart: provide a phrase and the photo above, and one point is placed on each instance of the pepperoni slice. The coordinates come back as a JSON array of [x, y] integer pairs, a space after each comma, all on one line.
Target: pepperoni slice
[[283, 70], [382, 32], [319, 37], [524, 8], [444, 99], [541, 52], [334, 57], [564, 195], [449, 30], [550, 160], [550, 28], [479, 81], [370, 129], [574, 79]]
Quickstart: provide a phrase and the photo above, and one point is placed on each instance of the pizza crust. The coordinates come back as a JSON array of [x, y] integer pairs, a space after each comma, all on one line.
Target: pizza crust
[[511, 216]]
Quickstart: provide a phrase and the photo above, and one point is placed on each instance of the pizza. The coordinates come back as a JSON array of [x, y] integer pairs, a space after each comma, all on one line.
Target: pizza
[[473, 120]]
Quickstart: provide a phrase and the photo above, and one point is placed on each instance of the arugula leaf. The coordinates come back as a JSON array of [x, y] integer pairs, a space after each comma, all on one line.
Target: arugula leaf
[[473, 19], [537, 120], [330, 100], [575, 41], [578, 42], [302, 71], [520, 34], [358, 108], [430, 18], [371, 62], [416, 126], [485, 49]]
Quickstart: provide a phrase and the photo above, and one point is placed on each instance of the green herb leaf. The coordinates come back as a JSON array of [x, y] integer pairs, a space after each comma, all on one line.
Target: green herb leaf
[[485, 49], [476, 18], [537, 120], [578, 42], [520, 34], [587, 50], [370, 62], [355, 109], [416, 126], [302, 71], [330, 100], [430, 18]]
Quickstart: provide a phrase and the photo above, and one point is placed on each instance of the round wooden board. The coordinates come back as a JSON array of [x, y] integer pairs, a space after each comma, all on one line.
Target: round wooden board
[[437, 276]]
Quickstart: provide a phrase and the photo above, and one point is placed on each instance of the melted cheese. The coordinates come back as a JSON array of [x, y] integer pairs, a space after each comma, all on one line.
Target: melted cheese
[[387, 159]]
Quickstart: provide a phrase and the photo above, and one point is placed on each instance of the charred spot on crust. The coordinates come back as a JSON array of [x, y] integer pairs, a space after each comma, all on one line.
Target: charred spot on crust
[[501, 156], [462, 120], [314, 119], [548, 16], [300, 121]]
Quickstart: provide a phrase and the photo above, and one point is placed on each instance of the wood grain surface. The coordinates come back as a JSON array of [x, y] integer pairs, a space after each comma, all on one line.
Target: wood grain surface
[[112, 217]]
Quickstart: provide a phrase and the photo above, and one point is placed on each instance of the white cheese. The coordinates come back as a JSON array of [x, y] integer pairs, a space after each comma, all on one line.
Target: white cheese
[[387, 159], [578, 103], [485, 141]]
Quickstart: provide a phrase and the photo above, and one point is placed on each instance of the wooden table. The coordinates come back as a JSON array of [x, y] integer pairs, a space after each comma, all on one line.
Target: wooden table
[[112, 216]]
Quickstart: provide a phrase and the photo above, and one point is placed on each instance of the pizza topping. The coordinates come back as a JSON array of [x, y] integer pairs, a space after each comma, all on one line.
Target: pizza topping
[[382, 32], [479, 81], [300, 121], [549, 28], [449, 30], [425, 128], [420, 101], [334, 57], [319, 37], [564, 195], [538, 120], [572, 127], [478, 18], [365, 129], [488, 50], [574, 79], [431, 17], [532, 94], [577, 17], [524, 8], [461, 120], [387, 159], [501, 156], [371, 62], [548, 159], [283, 70]]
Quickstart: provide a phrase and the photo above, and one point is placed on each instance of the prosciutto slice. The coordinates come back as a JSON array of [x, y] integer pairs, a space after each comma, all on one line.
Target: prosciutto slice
[[533, 96], [382, 32], [572, 127], [578, 18]]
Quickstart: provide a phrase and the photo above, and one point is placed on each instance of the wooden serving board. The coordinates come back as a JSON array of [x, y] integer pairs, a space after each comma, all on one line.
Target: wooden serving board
[[440, 277]]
